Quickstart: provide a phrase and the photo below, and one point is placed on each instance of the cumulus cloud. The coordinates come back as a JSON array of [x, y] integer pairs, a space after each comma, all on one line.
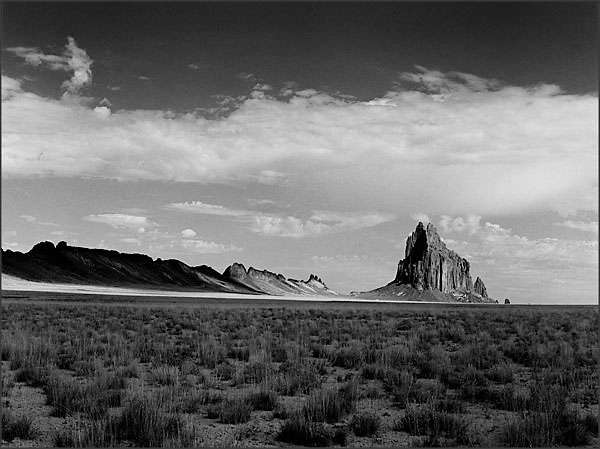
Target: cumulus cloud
[[483, 146], [123, 221], [585, 226], [188, 233], [73, 59], [527, 267], [319, 222]]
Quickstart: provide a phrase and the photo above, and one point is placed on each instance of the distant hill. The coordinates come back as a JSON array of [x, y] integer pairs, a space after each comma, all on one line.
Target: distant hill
[[431, 272], [77, 265]]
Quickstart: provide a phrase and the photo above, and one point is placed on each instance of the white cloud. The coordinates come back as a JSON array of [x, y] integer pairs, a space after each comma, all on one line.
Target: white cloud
[[123, 221], [585, 226], [470, 224], [32, 219], [206, 247], [261, 202], [188, 233], [131, 241], [526, 267], [492, 240], [484, 147], [320, 222], [73, 59], [198, 207]]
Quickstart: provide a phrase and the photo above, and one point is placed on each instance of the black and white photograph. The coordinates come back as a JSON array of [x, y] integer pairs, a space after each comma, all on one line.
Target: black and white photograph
[[299, 224]]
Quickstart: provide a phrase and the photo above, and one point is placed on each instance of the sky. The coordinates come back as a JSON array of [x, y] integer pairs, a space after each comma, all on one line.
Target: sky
[[309, 138]]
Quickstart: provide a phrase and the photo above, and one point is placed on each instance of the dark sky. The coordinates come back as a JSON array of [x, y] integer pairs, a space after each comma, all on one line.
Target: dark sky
[[353, 48]]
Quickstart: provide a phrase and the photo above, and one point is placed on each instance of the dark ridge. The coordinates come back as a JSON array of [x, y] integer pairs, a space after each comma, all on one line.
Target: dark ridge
[[62, 263]]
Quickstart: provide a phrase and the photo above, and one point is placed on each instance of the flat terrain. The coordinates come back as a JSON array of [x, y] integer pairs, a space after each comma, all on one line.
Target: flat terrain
[[100, 370]]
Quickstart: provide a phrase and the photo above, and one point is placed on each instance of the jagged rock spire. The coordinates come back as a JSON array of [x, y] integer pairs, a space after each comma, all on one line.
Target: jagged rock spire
[[429, 264]]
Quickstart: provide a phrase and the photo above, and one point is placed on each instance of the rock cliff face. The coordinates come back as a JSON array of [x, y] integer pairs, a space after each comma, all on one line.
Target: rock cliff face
[[432, 272], [479, 288], [76, 265], [428, 264], [275, 284]]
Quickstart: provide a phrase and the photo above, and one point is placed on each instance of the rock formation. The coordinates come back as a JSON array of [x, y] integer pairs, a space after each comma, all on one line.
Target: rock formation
[[76, 265], [275, 284], [428, 264], [479, 288], [431, 271]]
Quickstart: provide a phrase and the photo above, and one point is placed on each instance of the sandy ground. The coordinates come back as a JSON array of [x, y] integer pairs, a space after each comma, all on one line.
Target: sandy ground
[[14, 283]]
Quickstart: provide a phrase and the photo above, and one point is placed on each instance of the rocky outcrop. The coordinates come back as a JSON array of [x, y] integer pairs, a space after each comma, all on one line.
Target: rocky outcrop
[[479, 288], [77, 265], [428, 264], [275, 284], [431, 271]]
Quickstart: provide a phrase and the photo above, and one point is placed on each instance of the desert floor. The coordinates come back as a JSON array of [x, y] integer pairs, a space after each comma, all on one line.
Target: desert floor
[[104, 369]]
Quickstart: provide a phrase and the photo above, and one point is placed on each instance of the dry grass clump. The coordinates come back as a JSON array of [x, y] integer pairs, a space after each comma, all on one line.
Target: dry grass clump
[[365, 424], [263, 400], [299, 430], [69, 396], [329, 405], [233, 410], [440, 428], [13, 427]]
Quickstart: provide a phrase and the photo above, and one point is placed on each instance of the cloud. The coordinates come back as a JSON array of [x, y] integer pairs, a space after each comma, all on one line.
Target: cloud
[[194, 66], [585, 226], [206, 247], [28, 218], [32, 219], [188, 233], [10, 86], [198, 207], [526, 267], [319, 223], [123, 221], [144, 78], [73, 59], [470, 224], [247, 76], [484, 147], [131, 241], [437, 82]]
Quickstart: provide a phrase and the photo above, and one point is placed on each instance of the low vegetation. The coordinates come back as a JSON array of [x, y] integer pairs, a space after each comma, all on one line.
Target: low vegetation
[[313, 376]]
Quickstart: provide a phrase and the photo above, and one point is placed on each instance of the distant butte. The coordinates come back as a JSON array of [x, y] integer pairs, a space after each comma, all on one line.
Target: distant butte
[[431, 272]]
